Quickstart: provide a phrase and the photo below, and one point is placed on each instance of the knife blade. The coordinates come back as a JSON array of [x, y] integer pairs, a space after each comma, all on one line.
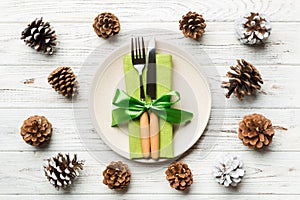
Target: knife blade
[[151, 91], [151, 72]]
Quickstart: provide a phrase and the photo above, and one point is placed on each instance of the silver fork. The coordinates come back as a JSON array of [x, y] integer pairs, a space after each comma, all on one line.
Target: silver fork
[[138, 57]]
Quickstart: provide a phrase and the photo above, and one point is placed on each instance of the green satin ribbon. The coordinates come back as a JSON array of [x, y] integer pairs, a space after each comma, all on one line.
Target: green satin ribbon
[[130, 108]]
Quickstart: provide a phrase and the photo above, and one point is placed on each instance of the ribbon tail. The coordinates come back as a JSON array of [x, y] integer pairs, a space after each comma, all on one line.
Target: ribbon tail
[[173, 115], [120, 115]]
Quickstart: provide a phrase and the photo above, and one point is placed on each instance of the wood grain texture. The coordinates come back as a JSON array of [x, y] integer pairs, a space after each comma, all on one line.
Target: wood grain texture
[[273, 173], [78, 40], [145, 11], [277, 90], [281, 173], [221, 133], [174, 196]]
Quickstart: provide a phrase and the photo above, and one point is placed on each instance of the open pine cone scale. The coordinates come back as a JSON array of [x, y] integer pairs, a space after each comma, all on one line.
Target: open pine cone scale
[[179, 176], [63, 80], [244, 80], [117, 176], [40, 36], [61, 170], [192, 25], [36, 130], [256, 131]]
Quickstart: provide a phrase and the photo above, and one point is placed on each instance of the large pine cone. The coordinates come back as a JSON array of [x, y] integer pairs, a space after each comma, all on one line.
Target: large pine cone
[[192, 25], [245, 81], [106, 25], [61, 170], [256, 131], [63, 80], [40, 36], [117, 175], [36, 130], [253, 29], [179, 176]]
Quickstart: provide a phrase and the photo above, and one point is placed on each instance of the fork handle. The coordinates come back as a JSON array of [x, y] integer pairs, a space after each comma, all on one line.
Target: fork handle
[[144, 133], [142, 91]]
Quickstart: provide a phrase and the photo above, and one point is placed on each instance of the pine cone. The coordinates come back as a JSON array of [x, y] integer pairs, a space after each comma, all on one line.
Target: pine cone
[[61, 170], [36, 130], [63, 80], [40, 36], [245, 81], [179, 176], [106, 25], [117, 176], [228, 170], [256, 131], [192, 25], [253, 29]]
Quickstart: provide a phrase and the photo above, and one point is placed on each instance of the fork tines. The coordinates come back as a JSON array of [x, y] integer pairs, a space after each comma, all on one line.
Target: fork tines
[[138, 54]]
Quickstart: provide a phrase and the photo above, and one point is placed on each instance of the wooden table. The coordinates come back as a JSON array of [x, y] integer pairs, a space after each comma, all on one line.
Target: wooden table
[[273, 173]]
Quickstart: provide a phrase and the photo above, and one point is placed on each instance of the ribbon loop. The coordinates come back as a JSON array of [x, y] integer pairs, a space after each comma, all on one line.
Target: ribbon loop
[[130, 108]]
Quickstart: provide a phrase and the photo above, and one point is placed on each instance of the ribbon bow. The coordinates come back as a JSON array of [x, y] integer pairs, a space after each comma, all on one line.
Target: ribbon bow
[[130, 108]]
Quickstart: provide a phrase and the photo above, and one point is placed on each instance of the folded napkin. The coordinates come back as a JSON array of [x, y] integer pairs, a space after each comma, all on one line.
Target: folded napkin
[[164, 84]]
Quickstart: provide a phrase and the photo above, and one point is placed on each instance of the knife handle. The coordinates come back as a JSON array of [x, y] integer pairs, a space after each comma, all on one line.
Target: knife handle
[[144, 133], [154, 136]]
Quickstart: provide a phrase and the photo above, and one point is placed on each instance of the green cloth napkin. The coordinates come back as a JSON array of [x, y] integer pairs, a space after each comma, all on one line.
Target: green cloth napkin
[[164, 85]]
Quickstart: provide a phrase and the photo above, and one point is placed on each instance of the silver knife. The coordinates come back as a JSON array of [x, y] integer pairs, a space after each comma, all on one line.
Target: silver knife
[[151, 73], [151, 92]]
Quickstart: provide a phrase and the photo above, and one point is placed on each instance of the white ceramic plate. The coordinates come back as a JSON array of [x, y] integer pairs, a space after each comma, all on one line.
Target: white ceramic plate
[[187, 79]]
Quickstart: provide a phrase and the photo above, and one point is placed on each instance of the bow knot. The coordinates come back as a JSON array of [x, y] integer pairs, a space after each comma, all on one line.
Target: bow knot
[[130, 108], [148, 105]]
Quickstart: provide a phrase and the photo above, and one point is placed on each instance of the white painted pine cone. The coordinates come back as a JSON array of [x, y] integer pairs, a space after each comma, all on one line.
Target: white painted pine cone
[[228, 170], [253, 29]]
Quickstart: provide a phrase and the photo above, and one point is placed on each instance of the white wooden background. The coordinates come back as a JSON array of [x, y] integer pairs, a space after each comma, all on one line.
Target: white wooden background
[[273, 173]]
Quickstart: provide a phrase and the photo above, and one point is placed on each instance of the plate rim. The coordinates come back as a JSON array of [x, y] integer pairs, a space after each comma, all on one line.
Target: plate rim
[[91, 100]]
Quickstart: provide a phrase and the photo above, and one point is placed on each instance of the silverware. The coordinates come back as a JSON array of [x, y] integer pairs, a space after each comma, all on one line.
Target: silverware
[[151, 91], [138, 57]]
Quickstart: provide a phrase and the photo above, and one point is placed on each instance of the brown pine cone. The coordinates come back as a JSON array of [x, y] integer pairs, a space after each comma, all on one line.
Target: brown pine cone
[[63, 80], [117, 176], [256, 131], [245, 80], [179, 175], [192, 25], [36, 130], [106, 25]]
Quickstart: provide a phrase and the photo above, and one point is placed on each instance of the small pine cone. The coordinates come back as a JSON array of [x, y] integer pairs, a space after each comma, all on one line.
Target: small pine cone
[[61, 170], [192, 25], [106, 25], [253, 29], [36, 130], [40, 36], [179, 176], [117, 176], [228, 170], [63, 80], [256, 131], [245, 81]]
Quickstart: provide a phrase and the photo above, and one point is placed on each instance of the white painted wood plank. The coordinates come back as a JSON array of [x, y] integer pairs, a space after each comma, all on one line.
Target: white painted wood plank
[[219, 42], [150, 197], [22, 174], [140, 10], [221, 133], [78, 40], [277, 92], [277, 167]]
